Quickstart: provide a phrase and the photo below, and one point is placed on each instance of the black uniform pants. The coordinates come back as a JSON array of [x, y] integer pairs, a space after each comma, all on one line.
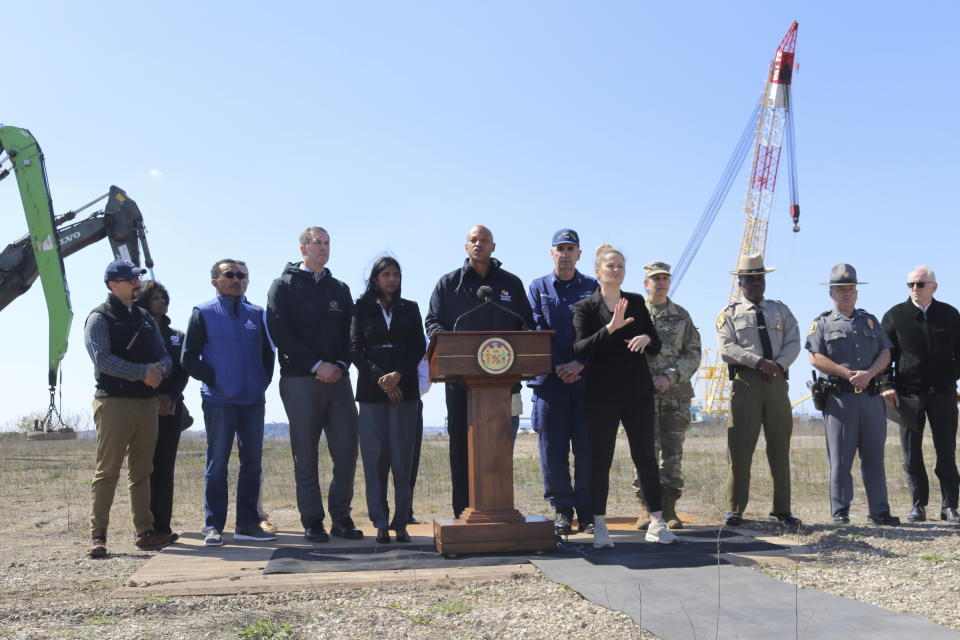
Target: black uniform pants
[[603, 421], [941, 411], [457, 432]]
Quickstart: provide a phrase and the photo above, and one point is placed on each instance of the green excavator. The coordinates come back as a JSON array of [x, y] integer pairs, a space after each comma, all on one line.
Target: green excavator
[[50, 239]]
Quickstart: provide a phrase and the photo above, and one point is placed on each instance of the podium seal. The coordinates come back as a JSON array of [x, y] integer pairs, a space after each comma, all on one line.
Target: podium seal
[[495, 355]]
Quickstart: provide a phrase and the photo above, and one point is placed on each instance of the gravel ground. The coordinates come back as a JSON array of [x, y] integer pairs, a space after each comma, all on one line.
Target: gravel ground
[[913, 568], [50, 591]]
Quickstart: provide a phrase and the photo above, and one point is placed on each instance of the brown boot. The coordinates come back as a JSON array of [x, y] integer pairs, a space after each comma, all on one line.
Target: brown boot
[[670, 497], [644, 520]]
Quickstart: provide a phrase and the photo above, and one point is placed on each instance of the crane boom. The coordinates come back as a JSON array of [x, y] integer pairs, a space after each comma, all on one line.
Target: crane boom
[[774, 124]]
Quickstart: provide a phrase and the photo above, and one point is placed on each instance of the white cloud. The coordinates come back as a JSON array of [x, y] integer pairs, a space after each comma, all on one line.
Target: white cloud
[[156, 173]]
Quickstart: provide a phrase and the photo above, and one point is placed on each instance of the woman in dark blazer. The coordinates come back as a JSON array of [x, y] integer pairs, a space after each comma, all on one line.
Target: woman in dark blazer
[[174, 417], [613, 331], [386, 345]]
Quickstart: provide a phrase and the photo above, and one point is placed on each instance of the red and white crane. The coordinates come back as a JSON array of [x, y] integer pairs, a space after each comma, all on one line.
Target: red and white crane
[[771, 129]]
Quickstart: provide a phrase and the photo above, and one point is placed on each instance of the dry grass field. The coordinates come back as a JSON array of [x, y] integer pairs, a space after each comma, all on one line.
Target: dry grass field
[[49, 590]]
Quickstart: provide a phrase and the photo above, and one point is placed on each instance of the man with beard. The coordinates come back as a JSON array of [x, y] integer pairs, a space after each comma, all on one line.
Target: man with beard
[[130, 361]]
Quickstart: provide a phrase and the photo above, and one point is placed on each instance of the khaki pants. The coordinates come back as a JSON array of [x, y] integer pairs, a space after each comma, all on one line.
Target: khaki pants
[[125, 427], [756, 401]]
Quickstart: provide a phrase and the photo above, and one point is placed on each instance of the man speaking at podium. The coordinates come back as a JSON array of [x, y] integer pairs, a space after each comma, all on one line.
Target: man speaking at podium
[[479, 296]]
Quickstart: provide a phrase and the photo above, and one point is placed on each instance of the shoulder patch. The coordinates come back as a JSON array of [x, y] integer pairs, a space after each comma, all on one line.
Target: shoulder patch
[[870, 323], [813, 328], [721, 319]]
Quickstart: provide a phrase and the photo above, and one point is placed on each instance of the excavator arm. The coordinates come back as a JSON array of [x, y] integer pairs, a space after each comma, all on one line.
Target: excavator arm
[[23, 153]]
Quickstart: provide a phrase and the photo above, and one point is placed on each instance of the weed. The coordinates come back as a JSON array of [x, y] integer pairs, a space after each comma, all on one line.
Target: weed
[[453, 606], [424, 620], [266, 630], [103, 618], [935, 558]]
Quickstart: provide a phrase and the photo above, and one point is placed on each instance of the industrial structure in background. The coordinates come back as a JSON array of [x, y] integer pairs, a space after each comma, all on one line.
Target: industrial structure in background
[[770, 128], [41, 252]]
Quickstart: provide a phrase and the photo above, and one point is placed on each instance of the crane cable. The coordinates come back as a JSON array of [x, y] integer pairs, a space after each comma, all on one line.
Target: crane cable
[[716, 200]]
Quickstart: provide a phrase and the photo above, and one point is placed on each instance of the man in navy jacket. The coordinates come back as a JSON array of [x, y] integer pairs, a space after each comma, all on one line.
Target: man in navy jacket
[[227, 349], [454, 307], [558, 416]]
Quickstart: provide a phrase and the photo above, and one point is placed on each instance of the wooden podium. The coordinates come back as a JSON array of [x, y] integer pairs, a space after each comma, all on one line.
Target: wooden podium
[[489, 363]]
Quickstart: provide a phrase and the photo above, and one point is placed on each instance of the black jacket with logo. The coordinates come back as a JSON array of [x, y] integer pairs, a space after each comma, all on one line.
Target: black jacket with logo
[[926, 347], [456, 294], [309, 320]]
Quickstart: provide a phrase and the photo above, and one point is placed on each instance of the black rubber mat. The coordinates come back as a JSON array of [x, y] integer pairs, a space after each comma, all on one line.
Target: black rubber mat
[[694, 550]]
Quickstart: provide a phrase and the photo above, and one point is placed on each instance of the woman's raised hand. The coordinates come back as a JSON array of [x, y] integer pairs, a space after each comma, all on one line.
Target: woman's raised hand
[[618, 321]]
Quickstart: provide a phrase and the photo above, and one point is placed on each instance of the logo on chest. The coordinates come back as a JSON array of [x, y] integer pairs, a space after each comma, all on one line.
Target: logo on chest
[[249, 324], [334, 306], [505, 296]]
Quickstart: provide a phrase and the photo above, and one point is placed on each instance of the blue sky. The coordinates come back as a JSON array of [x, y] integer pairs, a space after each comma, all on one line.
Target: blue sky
[[397, 126]]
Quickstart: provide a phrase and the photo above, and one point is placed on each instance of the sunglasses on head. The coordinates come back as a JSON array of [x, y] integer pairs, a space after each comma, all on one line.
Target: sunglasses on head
[[918, 285], [230, 275]]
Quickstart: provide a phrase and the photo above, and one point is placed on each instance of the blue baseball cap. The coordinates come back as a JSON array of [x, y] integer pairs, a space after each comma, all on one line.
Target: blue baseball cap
[[566, 236], [122, 270]]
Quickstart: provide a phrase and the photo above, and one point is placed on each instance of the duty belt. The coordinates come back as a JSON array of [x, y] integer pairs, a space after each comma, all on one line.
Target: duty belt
[[734, 369], [844, 386]]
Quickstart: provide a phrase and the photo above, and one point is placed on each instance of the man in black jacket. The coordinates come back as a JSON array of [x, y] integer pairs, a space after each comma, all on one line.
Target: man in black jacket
[[453, 307], [308, 316], [925, 361]]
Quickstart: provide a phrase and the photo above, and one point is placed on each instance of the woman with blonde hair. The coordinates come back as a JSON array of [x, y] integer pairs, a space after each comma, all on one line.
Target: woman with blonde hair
[[613, 331]]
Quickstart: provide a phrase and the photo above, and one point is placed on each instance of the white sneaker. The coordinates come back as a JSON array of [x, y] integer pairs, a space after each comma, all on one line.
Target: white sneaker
[[601, 536], [658, 532], [213, 538]]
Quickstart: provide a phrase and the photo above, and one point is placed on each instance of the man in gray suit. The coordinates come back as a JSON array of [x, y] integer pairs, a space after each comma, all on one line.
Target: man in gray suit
[[849, 346]]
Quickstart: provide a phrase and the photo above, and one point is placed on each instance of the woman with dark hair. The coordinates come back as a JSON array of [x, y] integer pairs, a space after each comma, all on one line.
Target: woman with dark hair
[[613, 330], [386, 345], [174, 417]]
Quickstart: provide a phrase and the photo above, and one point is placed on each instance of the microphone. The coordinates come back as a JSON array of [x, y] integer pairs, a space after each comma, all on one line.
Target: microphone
[[485, 293]]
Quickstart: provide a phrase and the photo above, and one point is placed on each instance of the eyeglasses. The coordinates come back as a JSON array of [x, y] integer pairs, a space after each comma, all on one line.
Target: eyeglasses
[[230, 275], [130, 280], [918, 285]]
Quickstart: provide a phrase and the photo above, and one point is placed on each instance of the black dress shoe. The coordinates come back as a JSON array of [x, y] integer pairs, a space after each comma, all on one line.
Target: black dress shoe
[[949, 514], [412, 520], [316, 533], [787, 520], [346, 530], [733, 520], [383, 536], [563, 521], [842, 517], [885, 519], [918, 514], [402, 535]]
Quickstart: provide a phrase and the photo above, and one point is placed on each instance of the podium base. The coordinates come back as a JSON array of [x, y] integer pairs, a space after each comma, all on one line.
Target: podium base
[[535, 533]]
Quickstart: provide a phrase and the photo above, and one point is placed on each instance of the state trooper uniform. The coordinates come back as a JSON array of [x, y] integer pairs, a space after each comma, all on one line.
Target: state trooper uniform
[[747, 334], [855, 418]]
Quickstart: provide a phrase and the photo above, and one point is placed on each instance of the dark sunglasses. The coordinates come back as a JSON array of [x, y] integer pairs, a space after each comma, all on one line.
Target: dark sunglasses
[[230, 275], [918, 285]]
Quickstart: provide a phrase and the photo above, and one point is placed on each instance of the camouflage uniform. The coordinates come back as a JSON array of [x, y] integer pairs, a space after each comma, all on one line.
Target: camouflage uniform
[[678, 360]]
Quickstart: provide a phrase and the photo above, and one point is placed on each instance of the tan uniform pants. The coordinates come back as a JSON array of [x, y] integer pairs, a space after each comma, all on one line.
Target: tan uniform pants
[[125, 427], [755, 402]]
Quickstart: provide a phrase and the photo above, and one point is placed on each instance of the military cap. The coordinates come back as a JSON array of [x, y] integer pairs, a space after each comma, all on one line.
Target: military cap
[[653, 268], [566, 236]]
